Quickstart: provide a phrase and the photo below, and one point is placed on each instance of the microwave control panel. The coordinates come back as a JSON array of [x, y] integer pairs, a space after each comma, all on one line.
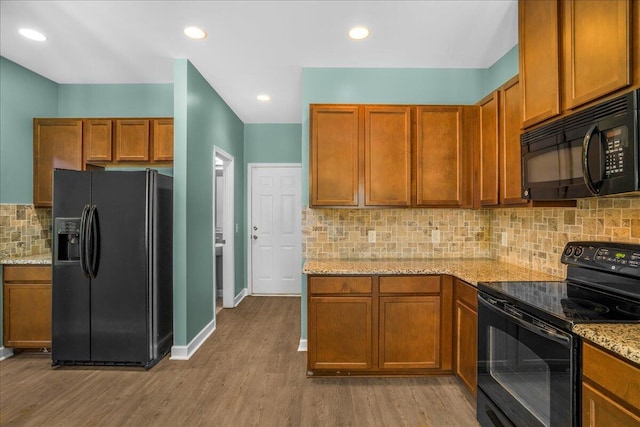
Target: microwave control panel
[[615, 143]]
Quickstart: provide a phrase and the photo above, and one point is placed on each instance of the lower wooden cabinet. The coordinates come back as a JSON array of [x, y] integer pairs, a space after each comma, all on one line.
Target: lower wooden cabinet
[[27, 306], [466, 334], [610, 390], [379, 325]]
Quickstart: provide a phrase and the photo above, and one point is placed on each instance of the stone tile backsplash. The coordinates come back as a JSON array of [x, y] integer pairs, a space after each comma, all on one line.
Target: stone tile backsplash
[[24, 231], [530, 237]]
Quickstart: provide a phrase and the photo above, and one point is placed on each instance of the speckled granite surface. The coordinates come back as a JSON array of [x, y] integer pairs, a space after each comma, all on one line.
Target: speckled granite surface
[[621, 339], [31, 259], [469, 270]]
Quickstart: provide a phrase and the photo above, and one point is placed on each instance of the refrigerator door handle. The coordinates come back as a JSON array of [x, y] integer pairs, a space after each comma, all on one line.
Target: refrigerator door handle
[[83, 241], [92, 250]]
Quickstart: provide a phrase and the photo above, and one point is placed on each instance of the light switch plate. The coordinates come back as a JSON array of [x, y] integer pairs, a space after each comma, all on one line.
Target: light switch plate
[[503, 238], [371, 234], [435, 236]]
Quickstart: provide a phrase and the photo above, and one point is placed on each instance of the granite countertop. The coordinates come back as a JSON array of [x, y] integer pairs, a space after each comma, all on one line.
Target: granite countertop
[[620, 339], [44, 259], [470, 270]]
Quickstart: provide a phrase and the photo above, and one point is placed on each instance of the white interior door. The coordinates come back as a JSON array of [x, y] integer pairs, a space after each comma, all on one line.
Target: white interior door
[[275, 230]]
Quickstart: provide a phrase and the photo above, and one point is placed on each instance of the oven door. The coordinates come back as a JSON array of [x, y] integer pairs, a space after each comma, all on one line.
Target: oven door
[[527, 369]]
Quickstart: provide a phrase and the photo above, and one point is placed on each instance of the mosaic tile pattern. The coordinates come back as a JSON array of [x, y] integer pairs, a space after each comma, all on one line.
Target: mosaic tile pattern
[[24, 231], [400, 233]]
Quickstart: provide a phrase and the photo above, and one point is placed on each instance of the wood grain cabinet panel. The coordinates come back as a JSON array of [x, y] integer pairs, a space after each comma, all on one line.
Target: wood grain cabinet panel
[[132, 140], [466, 334], [488, 150], [539, 48], [340, 333], [439, 147], [597, 37], [335, 145], [610, 389], [27, 307], [410, 332], [387, 147], [162, 139], [510, 152], [57, 143], [98, 141]]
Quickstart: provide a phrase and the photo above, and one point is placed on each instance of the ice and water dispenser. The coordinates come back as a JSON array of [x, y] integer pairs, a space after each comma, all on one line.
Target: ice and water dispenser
[[67, 240]]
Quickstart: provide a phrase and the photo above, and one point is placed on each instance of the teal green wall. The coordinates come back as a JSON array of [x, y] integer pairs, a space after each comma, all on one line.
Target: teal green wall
[[23, 96], [202, 120], [272, 143], [115, 100], [504, 68]]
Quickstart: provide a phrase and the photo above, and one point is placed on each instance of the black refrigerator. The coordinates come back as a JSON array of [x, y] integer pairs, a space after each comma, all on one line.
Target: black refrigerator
[[112, 251]]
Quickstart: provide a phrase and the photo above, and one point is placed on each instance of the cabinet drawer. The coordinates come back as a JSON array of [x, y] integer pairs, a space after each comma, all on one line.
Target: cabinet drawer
[[410, 284], [613, 374], [467, 294], [340, 285], [14, 273]]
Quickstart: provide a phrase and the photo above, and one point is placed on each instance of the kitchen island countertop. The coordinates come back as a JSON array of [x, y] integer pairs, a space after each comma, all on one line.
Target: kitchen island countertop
[[470, 270], [41, 259]]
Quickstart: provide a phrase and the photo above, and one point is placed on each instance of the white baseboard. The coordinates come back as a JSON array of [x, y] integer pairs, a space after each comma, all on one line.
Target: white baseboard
[[238, 299], [5, 353], [184, 352], [303, 345]]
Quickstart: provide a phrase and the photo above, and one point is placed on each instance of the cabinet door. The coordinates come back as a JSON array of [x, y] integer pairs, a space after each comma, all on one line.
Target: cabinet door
[[57, 143], [132, 140], [598, 410], [510, 152], [467, 345], [387, 137], [539, 44], [439, 151], [340, 333], [335, 155], [597, 38], [488, 162], [162, 139], [410, 332], [97, 140], [27, 315]]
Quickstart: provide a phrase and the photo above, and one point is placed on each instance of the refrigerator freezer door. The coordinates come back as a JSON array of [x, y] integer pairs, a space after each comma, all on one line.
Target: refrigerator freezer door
[[71, 296], [120, 292]]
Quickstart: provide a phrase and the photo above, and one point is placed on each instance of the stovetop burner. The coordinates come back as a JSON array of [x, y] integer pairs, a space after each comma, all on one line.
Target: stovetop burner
[[631, 309], [578, 307]]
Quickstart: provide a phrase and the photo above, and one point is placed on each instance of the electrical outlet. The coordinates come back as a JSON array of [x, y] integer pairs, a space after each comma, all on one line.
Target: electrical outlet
[[435, 236], [371, 234], [503, 239]]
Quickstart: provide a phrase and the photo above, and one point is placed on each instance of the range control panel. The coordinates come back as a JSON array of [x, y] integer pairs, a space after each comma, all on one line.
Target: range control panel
[[617, 257]]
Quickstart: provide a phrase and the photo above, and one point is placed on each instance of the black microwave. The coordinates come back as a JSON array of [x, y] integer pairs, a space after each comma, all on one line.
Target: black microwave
[[594, 152]]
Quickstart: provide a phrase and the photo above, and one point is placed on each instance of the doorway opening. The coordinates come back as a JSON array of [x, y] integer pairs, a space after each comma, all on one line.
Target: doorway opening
[[224, 230]]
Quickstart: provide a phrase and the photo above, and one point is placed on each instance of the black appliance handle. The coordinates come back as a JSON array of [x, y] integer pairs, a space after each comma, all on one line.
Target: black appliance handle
[[92, 231], [512, 314], [83, 242], [586, 173]]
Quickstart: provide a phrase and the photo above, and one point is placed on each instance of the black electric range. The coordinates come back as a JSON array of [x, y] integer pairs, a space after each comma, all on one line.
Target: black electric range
[[602, 286]]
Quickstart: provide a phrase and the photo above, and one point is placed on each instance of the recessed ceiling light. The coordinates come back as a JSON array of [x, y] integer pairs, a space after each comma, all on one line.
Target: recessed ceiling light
[[32, 34], [263, 97], [359, 33], [195, 33]]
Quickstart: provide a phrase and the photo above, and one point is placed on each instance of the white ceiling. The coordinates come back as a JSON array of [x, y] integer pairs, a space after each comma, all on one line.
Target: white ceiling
[[252, 46]]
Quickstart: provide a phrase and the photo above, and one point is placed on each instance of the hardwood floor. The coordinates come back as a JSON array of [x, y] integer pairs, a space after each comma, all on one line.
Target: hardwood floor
[[248, 373]]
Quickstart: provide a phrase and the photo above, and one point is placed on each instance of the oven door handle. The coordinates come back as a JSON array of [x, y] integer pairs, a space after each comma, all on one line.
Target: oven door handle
[[549, 333]]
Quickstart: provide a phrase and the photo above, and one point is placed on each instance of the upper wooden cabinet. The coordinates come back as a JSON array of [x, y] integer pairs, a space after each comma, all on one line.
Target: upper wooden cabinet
[[539, 44], [387, 148], [335, 145], [488, 150], [597, 46], [98, 140], [132, 140], [510, 123], [162, 139], [57, 143], [442, 143], [576, 52]]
